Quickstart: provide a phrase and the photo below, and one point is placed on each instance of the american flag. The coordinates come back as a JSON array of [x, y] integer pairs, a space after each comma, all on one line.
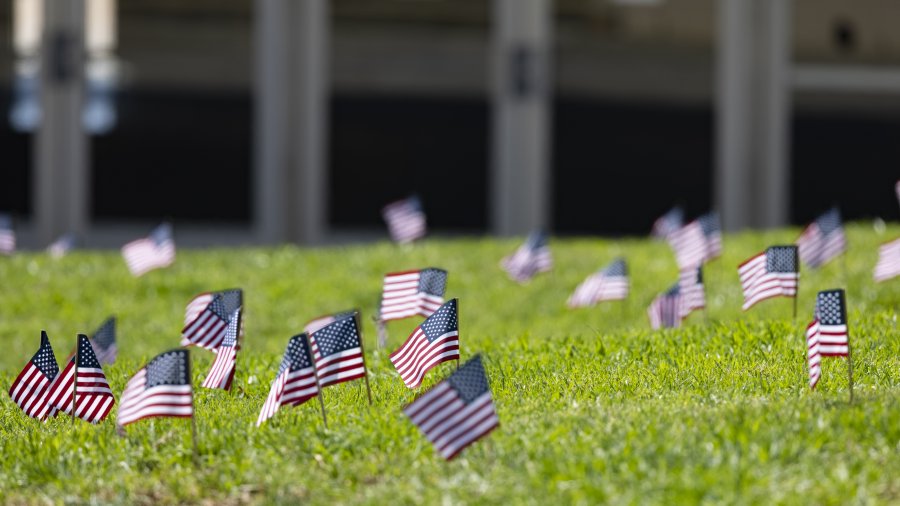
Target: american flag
[[668, 223], [337, 350], [457, 411], [826, 335], [436, 340], [62, 246], [771, 273], [296, 379], [82, 386], [152, 252], [610, 283], [697, 242], [207, 329], [160, 388], [532, 257], [320, 321], [7, 235], [30, 388], [104, 341], [888, 265], [666, 309], [822, 240], [690, 287], [405, 219], [411, 293], [222, 371]]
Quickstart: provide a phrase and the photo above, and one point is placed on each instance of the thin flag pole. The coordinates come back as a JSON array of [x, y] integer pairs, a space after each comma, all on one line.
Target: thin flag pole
[[362, 349], [196, 454], [318, 385], [75, 382], [850, 367]]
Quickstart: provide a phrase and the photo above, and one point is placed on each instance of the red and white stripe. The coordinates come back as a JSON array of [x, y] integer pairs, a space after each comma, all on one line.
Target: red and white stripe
[[139, 402], [599, 287], [665, 311], [89, 393], [417, 355], [338, 367], [290, 388], [196, 306], [222, 372], [690, 245], [401, 298], [758, 284], [691, 292], [206, 331], [888, 265], [448, 422], [815, 249], [29, 392], [405, 223], [144, 255], [7, 241], [813, 357], [526, 262]]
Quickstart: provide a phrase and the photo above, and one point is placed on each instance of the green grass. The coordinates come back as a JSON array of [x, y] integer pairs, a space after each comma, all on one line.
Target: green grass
[[594, 406]]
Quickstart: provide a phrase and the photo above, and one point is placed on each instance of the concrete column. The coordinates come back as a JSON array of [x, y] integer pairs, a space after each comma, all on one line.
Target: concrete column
[[520, 190], [61, 149]]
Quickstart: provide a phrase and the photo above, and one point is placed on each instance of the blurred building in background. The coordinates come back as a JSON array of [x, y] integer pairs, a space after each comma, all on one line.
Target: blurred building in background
[[297, 120]]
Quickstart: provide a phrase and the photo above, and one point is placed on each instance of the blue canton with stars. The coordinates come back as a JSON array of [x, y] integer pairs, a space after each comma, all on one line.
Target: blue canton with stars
[[217, 307], [161, 234], [781, 259], [231, 331], [297, 355], [709, 223], [5, 222], [86, 356], [617, 268], [232, 299], [105, 336], [536, 240], [441, 321], [674, 290], [169, 368], [433, 281], [469, 380], [830, 307], [44, 359], [337, 337], [829, 222]]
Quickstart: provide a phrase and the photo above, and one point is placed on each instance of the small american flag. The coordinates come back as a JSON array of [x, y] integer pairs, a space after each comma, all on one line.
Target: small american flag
[[826, 335], [436, 340], [320, 321], [161, 388], [152, 252], [207, 329], [668, 223], [822, 240], [405, 219], [610, 283], [30, 388], [411, 293], [62, 246], [7, 235], [697, 242], [457, 411], [771, 273], [296, 379], [888, 265], [337, 350], [531, 258], [690, 286], [222, 372], [82, 386], [104, 341], [666, 309]]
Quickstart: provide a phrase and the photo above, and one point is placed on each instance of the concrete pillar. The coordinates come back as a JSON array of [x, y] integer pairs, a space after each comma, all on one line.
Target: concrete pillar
[[522, 86], [61, 189]]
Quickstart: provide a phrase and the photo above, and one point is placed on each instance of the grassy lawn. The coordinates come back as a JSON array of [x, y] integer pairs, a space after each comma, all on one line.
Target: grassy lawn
[[593, 405]]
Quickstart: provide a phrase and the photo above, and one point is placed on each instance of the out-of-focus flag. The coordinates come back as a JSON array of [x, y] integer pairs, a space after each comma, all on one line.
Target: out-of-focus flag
[[690, 286], [337, 350], [295, 382], [457, 411], [697, 242], [152, 252], [81, 389], [666, 309], [320, 321], [827, 335], [436, 340], [7, 235], [531, 258], [405, 219], [29, 390], [888, 265], [160, 388], [104, 341], [610, 283], [62, 246], [207, 328], [411, 293], [668, 223], [822, 240], [771, 273], [221, 373]]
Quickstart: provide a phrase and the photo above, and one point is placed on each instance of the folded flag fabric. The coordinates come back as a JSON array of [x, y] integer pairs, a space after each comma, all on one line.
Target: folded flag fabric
[[337, 351], [668, 223], [436, 340], [160, 388], [320, 321], [771, 273], [207, 328], [457, 411], [81, 389], [666, 309], [152, 252], [30, 388], [295, 382], [888, 265], [405, 219], [529, 259], [827, 335], [7, 235], [697, 242], [411, 293], [690, 287], [221, 373], [822, 240], [62, 246], [610, 283]]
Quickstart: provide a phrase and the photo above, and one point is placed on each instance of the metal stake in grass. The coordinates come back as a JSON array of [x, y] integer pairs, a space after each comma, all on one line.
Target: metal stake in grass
[[850, 367], [318, 385], [195, 453], [75, 382], [362, 350]]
